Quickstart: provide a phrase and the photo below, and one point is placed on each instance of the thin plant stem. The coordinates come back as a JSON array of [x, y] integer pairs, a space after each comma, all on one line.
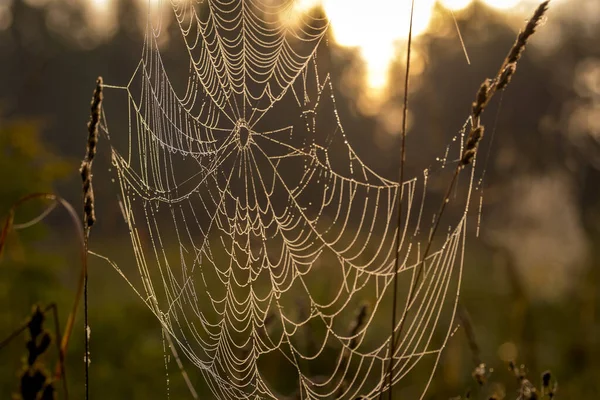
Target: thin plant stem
[[89, 216], [400, 196], [61, 355], [483, 97], [9, 225]]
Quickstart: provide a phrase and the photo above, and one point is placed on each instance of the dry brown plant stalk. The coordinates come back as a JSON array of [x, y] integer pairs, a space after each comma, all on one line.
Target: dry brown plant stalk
[[9, 226], [89, 215], [34, 380], [83, 234], [86, 165], [485, 93], [490, 86]]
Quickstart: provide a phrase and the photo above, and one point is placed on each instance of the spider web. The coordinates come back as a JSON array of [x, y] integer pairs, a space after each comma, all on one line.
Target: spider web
[[264, 245]]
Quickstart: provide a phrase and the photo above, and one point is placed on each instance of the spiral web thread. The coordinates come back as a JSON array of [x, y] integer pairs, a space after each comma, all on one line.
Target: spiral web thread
[[264, 245]]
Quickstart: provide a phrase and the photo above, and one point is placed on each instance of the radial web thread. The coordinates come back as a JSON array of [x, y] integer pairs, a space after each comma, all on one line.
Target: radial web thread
[[264, 245]]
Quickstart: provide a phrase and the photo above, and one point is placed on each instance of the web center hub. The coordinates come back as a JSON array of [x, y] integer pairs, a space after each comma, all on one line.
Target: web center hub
[[242, 132]]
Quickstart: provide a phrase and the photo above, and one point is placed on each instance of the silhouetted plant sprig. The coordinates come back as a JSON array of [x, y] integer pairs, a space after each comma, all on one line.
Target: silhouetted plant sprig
[[485, 93], [89, 214], [35, 382], [490, 86], [527, 390]]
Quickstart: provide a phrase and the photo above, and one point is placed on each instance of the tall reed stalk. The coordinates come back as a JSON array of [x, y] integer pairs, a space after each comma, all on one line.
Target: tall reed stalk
[[485, 93], [89, 215]]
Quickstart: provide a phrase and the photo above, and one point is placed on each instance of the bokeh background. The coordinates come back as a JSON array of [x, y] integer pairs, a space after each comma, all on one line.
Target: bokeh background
[[531, 279]]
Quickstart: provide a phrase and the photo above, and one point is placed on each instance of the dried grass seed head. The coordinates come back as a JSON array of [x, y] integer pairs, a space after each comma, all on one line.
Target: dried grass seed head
[[86, 165], [481, 98], [525, 34], [506, 75]]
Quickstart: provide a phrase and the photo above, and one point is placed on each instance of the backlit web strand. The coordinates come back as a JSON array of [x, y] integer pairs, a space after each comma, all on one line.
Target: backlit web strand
[[264, 245]]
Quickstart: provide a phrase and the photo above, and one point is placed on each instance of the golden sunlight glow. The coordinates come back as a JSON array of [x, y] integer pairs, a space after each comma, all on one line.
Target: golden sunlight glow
[[101, 18], [503, 4], [375, 28], [100, 5], [455, 5]]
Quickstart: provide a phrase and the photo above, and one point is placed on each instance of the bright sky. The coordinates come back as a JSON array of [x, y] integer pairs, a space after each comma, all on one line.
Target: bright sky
[[375, 30], [376, 26]]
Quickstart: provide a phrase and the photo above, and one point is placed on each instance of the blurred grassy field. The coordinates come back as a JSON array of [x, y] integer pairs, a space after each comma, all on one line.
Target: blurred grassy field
[[127, 346]]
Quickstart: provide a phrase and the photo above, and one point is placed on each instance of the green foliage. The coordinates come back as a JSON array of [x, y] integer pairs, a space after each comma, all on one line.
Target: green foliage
[[27, 164]]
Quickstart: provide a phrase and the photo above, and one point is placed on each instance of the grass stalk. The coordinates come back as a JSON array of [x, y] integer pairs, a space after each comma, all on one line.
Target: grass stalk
[[400, 195], [485, 93], [89, 216]]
